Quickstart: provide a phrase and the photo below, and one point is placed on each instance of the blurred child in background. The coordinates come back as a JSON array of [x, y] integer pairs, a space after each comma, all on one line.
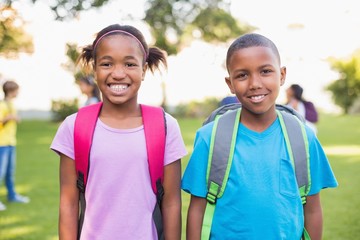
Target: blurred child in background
[[8, 126], [89, 88]]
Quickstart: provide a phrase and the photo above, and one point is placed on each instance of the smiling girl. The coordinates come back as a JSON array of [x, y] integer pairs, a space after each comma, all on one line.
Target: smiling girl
[[120, 199]]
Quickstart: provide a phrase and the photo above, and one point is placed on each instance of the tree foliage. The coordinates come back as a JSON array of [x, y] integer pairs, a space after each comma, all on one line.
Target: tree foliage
[[72, 65], [13, 38], [346, 89], [172, 22], [217, 25], [67, 10]]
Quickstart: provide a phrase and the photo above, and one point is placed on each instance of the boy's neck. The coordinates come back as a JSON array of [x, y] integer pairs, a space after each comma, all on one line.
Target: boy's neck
[[257, 122]]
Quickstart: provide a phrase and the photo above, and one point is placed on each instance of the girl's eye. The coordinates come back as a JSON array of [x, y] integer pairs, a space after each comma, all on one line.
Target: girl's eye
[[105, 64], [131, 64]]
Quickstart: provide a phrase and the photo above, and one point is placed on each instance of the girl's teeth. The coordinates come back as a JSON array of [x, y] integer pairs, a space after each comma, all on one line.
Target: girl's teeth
[[118, 87]]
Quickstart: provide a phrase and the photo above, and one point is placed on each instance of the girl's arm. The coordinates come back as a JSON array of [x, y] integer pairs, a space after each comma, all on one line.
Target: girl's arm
[[313, 216], [171, 203], [195, 218], [69, 200]]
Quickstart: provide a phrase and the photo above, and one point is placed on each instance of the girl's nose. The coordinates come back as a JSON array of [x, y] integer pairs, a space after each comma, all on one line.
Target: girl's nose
[[118, 72]]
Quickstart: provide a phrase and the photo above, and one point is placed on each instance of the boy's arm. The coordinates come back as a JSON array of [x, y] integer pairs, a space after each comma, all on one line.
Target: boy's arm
[[171, 203], [313, 216], [69, 200], [195, 218]]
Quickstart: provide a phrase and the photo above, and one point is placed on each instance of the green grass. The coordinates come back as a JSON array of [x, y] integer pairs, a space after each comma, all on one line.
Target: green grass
[[37, 177]]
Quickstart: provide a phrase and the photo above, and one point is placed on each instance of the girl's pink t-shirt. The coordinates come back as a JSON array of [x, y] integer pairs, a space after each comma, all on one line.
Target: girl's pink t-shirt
[[119, 197]]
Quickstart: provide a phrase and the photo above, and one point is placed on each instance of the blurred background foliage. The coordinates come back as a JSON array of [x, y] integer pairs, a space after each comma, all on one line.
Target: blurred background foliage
[[173, 24]]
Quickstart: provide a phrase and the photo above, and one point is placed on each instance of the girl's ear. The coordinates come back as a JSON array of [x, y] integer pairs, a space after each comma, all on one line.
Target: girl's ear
[[283, 75], [145, 66], [228, 82]]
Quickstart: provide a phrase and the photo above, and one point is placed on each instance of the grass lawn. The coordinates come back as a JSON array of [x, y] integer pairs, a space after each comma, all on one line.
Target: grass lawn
[[37, 177]]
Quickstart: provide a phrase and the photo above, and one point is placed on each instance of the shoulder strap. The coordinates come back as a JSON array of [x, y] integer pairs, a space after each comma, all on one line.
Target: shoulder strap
[[298, 150], [155, 135], [155, 131], [221, 152], [85, 122], [222, 146], [83, 133]]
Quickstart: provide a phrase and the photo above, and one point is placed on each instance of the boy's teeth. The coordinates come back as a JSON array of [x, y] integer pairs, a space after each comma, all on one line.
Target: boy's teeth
[[257, 97]]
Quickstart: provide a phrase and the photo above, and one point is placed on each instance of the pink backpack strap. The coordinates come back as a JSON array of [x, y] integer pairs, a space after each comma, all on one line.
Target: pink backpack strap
[[83, 134], [155, 135]]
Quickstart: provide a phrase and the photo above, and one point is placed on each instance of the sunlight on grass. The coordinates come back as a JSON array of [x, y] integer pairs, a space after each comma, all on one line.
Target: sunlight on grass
[[343, 150], [23, 188], [11, 220], [189, 148], [13, 227], [18, 232]]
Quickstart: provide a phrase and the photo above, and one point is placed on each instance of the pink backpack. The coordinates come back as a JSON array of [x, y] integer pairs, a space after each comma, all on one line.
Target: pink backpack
[[155, 135]]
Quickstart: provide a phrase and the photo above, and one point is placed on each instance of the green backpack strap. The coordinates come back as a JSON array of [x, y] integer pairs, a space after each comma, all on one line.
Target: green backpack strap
[[298, 150], [221, 154], [222, 146], [299, 154]]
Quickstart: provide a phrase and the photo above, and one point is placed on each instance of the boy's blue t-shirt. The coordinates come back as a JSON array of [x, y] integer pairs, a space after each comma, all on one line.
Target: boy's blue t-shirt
[[261, 199]]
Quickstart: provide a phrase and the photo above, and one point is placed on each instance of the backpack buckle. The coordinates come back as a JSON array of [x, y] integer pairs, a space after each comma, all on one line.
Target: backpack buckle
[[211, 198]]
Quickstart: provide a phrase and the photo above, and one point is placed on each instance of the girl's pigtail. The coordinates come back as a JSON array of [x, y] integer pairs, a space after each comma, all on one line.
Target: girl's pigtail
[[156, 57], [86, 57]]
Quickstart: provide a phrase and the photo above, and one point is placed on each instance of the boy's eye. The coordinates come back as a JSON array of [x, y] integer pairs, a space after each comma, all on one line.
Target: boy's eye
[[241, 76], [266, 71]]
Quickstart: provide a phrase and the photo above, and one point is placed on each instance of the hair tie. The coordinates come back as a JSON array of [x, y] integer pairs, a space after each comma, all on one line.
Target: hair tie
[[124, 32]]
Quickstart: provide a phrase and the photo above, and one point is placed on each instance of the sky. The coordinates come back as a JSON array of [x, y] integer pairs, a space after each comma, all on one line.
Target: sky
[[323, 29]]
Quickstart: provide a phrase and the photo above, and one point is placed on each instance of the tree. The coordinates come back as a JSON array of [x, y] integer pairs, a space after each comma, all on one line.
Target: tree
[[62, 108], [73, 53], [174, 22], [346, 89], [64, 10], [13, 38]]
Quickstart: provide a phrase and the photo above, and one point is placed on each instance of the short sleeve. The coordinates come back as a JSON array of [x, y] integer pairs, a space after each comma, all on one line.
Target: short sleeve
[[175, 147], [194, 178], [63, 141], [322, 175]]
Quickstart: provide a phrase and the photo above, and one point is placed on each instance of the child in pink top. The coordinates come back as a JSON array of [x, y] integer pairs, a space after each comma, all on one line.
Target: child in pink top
[[119, 196]]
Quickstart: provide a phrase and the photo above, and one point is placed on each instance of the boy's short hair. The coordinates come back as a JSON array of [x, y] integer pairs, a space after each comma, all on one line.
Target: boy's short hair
[[251, 40], [10, 86]]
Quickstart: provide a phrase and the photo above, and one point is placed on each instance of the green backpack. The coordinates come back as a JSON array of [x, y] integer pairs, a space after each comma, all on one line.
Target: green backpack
[[222, 146]]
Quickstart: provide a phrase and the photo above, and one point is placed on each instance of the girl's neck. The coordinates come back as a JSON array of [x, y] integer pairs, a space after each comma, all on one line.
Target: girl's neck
[[121, 115]]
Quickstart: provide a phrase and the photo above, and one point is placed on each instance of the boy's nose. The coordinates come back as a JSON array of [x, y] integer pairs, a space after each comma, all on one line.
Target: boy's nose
[[255, 82]]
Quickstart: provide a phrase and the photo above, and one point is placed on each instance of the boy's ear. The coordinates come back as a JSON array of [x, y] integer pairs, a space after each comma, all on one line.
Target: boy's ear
[[283, 75], [228, 82]]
